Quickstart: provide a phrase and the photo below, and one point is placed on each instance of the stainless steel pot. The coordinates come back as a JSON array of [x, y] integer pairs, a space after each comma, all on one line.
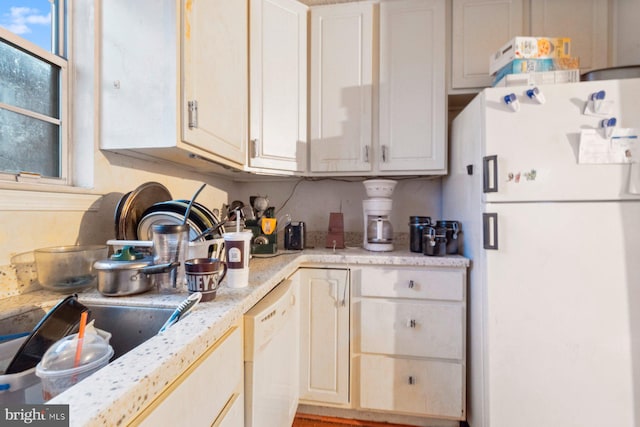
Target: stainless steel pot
[[120, 275]]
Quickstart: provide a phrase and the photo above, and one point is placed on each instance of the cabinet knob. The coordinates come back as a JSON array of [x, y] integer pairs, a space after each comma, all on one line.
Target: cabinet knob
[[411, 323], [411, 380], [366, 154], [411, 284]]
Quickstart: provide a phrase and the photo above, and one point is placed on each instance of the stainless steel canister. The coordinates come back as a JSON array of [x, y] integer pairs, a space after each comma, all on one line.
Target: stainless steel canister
[[453, 234], [416, 230], [434, 241]]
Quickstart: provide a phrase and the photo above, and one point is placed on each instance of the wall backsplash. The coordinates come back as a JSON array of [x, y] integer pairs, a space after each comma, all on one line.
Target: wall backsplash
[[311, 201]]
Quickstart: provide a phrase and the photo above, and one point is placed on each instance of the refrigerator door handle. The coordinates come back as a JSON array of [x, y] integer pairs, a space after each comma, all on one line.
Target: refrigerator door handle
[[490, 231], [490, 174]]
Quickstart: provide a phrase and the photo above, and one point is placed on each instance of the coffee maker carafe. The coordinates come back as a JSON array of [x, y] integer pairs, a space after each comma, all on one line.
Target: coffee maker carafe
[[378, 231]]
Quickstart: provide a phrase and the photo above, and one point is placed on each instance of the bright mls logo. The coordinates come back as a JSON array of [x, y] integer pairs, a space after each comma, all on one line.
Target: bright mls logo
[[35, 415], [30, 19]]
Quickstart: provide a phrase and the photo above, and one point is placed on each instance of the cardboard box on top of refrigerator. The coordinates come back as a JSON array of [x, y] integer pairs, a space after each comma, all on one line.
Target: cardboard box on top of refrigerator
[[523, 66], [530, 48]]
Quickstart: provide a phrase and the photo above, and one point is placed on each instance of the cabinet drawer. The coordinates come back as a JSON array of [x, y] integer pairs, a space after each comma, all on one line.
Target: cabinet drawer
[[411, 329], [208, 385], [412, 386], [413, 283]]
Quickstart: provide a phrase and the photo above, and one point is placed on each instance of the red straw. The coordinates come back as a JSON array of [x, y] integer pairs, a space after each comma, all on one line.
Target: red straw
[[83, 323]]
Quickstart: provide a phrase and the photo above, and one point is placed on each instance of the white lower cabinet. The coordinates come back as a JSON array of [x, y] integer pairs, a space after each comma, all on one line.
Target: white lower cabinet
[[204, 394], [324, 336], [409, 327], [412, 386]]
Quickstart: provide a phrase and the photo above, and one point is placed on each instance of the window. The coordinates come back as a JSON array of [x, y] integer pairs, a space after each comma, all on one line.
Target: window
[[33, 91]]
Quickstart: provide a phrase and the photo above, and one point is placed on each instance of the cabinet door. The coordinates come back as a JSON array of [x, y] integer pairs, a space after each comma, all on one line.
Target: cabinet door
[[203, 385], [412, 86], [278, 72], [324, 335], [479, 28], [415, 386], [215, 76], [412, 329], [585, 21], [341, 87]]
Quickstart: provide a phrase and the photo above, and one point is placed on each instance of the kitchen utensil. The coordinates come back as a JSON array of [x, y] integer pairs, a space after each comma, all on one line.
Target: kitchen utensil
[[452, 233], [238, 249], [132, 206], [68, 268], [165, 218], [185, 307], [294, 236], [416, 230], [379, 230], [58, 368], [208, 231], [170, 244], [186, 214], [434, 241], [335, 236], [62, 320], [128, 272], [379, 187], [204, 275]]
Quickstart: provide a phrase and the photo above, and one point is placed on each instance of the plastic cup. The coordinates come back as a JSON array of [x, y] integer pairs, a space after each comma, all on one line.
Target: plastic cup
[[170, 244], [59, 368], [238, 251]]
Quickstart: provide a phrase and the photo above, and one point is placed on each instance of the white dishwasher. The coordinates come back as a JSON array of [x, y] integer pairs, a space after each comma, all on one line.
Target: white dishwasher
[[271, 362]]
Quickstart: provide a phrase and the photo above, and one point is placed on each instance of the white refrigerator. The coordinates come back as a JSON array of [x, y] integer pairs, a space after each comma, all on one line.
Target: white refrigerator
[[553, 234]]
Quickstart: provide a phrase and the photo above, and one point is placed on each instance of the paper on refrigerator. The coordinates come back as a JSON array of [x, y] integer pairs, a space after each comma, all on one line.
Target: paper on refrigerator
[[598, 147]]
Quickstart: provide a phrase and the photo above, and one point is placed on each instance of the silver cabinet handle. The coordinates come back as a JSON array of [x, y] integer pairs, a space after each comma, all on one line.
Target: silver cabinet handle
[[411, 284], [411, 380], [366, 154], [254, 148], [384, 153], [411, 323]]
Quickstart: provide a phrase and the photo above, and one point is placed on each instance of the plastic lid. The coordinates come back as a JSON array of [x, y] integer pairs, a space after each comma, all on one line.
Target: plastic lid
[[128, 253], [59, 360]]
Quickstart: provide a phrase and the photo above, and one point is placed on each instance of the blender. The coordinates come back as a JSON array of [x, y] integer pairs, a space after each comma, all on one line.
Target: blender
[[378, 232]]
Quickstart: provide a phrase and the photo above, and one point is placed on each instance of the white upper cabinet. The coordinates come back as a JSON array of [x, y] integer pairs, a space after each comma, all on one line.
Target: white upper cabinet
[[412, 103], [215, 75], [479, 28], [378, 89], [584, 21], [341, 87], [174, 81], [278, 85]]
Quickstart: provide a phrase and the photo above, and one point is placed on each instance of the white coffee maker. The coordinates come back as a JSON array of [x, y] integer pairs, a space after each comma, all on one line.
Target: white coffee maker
[[378, 232]]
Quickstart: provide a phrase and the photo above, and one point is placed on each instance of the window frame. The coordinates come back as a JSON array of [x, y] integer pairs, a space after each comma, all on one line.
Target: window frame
[[62, 39]]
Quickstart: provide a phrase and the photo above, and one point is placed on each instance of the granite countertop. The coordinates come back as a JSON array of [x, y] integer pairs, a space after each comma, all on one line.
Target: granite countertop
[[113, 395]]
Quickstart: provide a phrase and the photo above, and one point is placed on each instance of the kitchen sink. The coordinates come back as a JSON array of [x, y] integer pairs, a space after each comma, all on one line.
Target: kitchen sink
[[129, 326]]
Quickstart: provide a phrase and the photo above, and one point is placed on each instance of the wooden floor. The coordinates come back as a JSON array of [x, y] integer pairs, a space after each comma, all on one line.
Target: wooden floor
[[307, 420]]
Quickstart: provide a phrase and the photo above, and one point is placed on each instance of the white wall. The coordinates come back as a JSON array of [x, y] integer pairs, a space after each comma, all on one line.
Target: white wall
[[626, 32]]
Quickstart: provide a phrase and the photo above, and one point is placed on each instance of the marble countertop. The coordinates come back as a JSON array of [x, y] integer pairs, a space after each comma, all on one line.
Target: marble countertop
[[113, 395]]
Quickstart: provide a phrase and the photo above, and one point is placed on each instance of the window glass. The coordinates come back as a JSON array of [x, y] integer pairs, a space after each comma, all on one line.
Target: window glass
[[30, 146], [32, 88], [29, 82]]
